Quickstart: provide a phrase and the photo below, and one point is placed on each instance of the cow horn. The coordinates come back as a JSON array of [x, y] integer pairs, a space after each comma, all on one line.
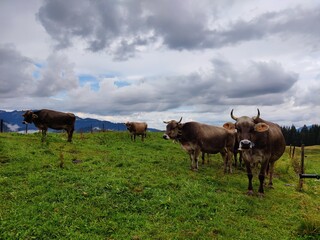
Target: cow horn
[[256, 117], [180, 120], [232, 116]]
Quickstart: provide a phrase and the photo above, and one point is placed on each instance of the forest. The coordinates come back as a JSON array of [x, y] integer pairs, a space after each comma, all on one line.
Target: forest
[[308, 136]]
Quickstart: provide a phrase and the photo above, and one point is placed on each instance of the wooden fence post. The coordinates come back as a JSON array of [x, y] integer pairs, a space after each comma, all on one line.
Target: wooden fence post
[[294, 149], [290, 151], [301, 167]]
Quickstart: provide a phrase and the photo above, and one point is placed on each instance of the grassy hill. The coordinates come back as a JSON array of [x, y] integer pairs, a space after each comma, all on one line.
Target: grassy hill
[[104, 186]]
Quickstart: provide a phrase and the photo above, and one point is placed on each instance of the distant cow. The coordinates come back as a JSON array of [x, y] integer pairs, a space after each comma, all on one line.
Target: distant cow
[[137, 129], [196, 137], [260, 141], [44, 119]]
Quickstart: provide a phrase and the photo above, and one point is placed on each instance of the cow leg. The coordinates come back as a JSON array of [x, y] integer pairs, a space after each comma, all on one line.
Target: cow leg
[[224, 158], [203, 157], [44, 134], [191, 154], [229, 156], [262, 173], [70, 133], [196, 157], [249, 173], [194, 154], [271, 167], [235, 158]]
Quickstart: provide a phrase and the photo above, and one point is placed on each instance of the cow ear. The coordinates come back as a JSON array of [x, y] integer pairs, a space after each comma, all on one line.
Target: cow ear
[[34, 116], [261, 127], [229, 126]]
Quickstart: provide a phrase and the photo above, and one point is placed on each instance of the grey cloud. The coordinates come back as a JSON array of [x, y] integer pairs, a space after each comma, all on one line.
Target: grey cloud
[[222, 86], [117, 26], [181, 24], [310, 96], [56, 76], [263, 78], [99, 23], [20, 76], [16, 72]]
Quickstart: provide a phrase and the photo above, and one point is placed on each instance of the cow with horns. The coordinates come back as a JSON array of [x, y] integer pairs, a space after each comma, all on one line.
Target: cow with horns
[[261, 142], [44, 119], [196, 137], [137, 129]]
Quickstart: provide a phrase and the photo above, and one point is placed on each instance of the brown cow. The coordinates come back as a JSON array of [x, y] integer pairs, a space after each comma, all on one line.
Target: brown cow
[[196, 137], [137, 129], [44, 119], [260, 141]]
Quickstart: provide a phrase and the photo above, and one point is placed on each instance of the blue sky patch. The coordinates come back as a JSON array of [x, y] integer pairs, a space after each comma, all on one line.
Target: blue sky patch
[[120, 84], [92, 80]]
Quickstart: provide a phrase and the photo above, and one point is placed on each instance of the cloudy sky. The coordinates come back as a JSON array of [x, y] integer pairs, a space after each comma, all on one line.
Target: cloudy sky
[[160, 60]]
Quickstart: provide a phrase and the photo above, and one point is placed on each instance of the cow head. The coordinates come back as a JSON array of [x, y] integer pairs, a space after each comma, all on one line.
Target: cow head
[[29, 116], [248, 130], [173, 129], [128, 125]]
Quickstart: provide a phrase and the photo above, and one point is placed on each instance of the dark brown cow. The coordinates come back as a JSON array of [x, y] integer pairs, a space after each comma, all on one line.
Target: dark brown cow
[[44, 119], [137, 129], [196, 137], [260, 141]]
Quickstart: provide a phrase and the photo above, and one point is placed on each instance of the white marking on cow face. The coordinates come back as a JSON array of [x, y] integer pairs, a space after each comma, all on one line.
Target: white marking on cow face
[[245, 144], [172, 130], [166, 137], [28, 117]]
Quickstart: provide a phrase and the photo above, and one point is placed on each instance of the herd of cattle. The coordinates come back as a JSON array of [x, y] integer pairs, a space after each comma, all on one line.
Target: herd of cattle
[[257, 140]]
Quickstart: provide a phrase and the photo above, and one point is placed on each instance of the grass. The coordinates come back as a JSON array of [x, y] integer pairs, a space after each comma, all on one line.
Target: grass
[[104, 186]]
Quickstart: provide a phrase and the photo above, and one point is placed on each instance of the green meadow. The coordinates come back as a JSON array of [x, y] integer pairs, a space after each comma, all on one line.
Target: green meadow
[[104, 186]]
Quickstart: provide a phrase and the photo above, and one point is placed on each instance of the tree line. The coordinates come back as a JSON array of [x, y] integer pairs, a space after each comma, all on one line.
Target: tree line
[[306, 135]]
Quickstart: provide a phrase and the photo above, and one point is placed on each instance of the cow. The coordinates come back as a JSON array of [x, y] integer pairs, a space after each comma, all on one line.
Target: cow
[[196, 137], [137, 129], [261, 142], [45, 118]]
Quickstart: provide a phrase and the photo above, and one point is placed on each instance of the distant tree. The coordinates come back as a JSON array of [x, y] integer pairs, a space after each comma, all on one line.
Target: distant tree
[[306, 135]]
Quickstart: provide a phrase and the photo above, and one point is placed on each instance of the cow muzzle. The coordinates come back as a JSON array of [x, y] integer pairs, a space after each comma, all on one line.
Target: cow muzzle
[[166, 137], [245, 144]]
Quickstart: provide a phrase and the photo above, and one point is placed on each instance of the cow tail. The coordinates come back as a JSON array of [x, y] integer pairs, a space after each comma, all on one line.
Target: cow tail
[[267, 170]]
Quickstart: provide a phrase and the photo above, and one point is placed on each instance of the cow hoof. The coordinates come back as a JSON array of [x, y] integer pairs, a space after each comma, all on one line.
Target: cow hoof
[[261, 195], [250, 193], [270, 186]]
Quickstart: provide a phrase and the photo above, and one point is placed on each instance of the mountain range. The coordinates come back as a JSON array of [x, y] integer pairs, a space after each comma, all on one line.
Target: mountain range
[[12, 122]]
